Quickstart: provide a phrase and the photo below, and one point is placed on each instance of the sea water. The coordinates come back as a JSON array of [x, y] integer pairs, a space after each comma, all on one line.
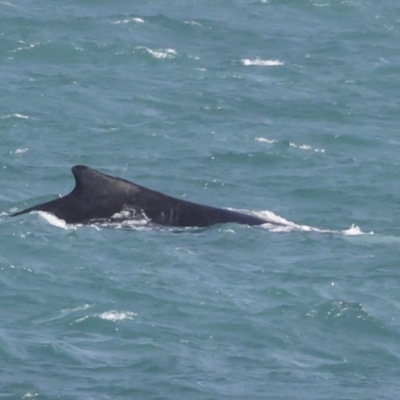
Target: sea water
[[284, 109]]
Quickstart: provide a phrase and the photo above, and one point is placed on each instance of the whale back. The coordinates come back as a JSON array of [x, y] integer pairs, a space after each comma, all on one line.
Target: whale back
[[97, 196]]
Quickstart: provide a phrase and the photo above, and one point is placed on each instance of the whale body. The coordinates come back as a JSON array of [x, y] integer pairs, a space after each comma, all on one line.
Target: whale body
[[100, 197]]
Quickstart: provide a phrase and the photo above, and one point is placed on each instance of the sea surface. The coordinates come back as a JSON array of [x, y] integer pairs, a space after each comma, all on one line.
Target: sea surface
[[283, 109]]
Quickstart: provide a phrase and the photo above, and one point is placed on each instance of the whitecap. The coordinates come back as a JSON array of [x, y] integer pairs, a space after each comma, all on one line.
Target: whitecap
[[30, 395], [31, 46], [161, 53], [306, 147], [20, 151], [128, 20], [7, 4], [265, 140], [261, 63], [66, 311], [15, 115], [193, 23], [113, 315]]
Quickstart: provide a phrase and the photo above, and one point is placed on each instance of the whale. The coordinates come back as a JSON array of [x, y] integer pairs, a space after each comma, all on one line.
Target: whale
[[98, 197]]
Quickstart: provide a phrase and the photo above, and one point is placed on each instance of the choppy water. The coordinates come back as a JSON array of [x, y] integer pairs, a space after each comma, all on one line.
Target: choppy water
[[282, 108]]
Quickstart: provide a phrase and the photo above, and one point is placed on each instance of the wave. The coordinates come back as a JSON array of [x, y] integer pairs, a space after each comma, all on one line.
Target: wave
[[275, 223], [261, 63], [306, 147], [129, 20], [281, 225], [160, 53], [15, 115]]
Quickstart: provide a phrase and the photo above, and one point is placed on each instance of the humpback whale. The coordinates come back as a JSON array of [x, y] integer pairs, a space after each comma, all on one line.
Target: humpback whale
[[99, 197]]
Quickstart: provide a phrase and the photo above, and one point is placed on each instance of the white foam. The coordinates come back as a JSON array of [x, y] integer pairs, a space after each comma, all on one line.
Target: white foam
[[78, 320], [261, 63], [128, 20], [279, 224], [15, 115], [67, 311], [306, 147], [161, 53], [31, 46], [57, 222], [139, 223], [7, 4], [113, 315], [131, 215], [354, 230], [265, 140], [122, 214], [19, 151], [30, 395], [193, 23]]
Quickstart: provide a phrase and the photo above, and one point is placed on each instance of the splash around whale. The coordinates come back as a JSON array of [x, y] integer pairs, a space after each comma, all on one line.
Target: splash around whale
[[99, 197]]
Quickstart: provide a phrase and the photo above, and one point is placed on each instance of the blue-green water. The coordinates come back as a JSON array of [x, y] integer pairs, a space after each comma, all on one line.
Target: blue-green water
[[284, 108]]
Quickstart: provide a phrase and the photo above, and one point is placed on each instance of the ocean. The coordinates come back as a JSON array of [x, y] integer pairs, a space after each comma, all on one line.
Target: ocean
[[279, 108]]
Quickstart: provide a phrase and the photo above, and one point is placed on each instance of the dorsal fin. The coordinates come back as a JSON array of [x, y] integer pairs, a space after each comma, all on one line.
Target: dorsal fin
[[87, 179]]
